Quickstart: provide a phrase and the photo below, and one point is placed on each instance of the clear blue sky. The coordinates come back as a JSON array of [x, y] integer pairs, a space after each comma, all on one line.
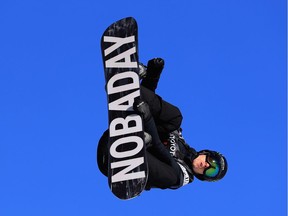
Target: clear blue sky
[[225, 69]]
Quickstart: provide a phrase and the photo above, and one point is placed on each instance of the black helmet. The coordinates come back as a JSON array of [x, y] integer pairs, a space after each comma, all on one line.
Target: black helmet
[[217, 169]]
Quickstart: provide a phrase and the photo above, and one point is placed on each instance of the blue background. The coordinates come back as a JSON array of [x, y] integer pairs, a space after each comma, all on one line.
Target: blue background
[[225, 69]]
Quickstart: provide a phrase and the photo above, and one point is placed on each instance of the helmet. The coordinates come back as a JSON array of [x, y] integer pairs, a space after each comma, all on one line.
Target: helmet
[[217, 169]]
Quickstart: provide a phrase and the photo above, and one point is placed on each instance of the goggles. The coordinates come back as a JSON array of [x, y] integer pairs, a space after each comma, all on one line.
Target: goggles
[[214, 169]]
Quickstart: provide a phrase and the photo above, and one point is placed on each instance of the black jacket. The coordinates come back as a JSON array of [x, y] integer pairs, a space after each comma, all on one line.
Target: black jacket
[[182, 153], [175, 152], [168, 119]]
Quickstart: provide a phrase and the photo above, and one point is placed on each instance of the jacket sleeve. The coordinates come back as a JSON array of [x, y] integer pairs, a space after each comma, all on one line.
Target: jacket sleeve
[[161, 175], [163, 169]]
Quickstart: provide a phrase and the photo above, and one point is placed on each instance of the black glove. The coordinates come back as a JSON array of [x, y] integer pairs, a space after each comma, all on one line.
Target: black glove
[[155, 67], [142, 108]]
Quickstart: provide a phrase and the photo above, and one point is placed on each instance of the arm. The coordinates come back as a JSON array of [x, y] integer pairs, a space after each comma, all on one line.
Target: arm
[[164, 170]]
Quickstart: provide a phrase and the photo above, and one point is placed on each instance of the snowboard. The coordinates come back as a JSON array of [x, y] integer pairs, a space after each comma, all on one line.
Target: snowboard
[[127, 166]]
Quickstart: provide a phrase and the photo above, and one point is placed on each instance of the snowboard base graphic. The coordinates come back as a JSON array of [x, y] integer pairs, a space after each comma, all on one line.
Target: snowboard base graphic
[[127, 167]]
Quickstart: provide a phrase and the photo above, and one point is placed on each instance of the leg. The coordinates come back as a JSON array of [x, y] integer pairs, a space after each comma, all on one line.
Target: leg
[[153, 100], [166, 116]]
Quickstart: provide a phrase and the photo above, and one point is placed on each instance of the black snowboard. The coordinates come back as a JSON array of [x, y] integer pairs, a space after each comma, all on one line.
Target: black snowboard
[[127, 167]]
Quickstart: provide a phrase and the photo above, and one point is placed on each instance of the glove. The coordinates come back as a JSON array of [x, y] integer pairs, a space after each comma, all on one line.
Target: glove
[[142, 108], [155, 67]]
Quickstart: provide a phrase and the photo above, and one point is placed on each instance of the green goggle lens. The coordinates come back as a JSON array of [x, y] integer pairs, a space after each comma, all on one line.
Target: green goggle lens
[[213, 169]]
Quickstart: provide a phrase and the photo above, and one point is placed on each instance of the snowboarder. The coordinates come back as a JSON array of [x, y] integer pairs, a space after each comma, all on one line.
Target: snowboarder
[[172, 162]]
